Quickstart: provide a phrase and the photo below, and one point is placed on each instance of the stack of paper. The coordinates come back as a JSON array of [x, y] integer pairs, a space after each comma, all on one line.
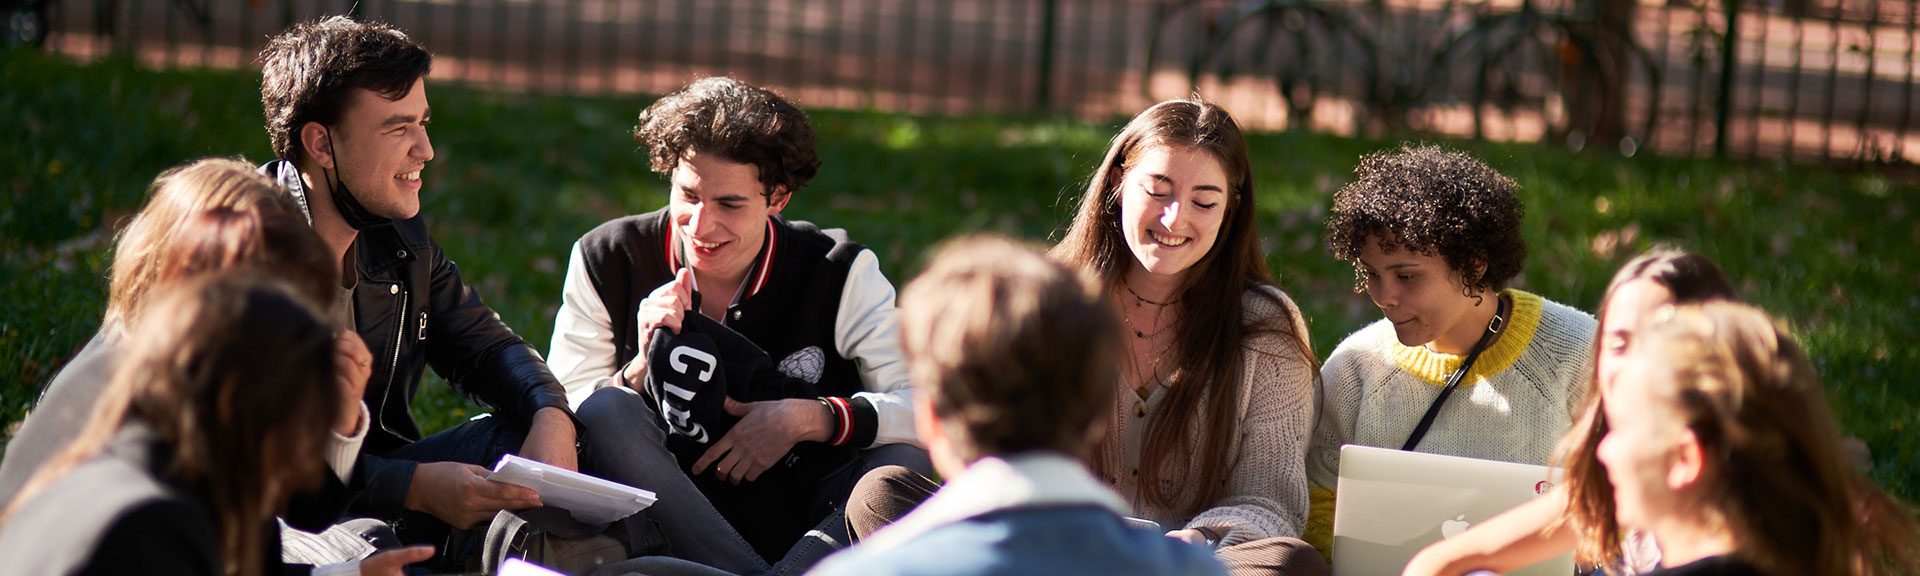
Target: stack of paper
[[590, 500]]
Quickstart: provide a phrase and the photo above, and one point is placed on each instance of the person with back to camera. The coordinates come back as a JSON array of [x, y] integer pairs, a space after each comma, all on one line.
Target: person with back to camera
[[210, 422], [205, 216], [1014, 357]]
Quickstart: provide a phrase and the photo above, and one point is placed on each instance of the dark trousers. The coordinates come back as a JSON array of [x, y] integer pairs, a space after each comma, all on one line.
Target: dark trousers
[[480, 442], [629, 450]]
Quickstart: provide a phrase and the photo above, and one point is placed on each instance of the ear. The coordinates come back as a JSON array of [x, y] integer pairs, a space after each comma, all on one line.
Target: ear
[[925, 424], [314, 140], [1687, 462], [777, 198]]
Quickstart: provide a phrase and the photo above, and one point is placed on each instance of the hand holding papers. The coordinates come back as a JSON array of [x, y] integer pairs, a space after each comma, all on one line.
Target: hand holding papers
[[590, 500]]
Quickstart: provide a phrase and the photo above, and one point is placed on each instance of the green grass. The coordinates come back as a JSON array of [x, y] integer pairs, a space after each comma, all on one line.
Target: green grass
[[519, 177]]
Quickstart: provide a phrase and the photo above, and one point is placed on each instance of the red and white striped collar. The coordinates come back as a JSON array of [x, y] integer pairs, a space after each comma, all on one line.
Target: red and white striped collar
[[762, 266]]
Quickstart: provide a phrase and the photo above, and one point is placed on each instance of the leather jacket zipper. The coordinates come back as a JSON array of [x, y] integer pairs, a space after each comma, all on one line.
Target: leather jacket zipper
[[399, 335]]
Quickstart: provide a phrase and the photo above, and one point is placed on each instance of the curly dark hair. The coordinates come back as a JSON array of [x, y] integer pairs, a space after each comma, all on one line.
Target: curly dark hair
[[308, 72], [734, 120], [1433, 201]]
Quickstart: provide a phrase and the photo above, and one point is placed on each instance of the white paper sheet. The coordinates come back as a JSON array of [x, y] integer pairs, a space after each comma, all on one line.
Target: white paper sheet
[[590, 500]]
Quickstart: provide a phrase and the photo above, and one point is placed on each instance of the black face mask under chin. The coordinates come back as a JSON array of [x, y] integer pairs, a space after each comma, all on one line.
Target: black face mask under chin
[[351, 210]]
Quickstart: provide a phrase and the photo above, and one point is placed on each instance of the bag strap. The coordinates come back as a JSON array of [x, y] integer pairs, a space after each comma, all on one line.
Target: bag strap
[[1453, 381]]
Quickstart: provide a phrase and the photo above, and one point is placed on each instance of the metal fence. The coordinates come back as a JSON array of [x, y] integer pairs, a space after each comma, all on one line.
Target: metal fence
[[1819, 80]]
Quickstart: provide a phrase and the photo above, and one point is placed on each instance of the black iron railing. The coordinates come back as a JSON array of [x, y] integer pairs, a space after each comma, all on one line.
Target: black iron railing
[[1821, 80]]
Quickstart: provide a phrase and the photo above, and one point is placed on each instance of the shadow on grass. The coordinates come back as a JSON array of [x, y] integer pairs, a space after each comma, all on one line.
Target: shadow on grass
[[518, 178]]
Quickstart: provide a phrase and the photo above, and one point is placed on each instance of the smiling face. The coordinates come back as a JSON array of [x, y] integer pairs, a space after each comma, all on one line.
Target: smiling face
[[1172, 203], [720, 212], [1420, 295], [378, 149]]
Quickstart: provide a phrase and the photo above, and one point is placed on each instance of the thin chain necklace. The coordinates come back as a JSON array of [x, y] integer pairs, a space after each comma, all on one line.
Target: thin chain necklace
[[1149, 377], [1160, 310], [1145, 300]]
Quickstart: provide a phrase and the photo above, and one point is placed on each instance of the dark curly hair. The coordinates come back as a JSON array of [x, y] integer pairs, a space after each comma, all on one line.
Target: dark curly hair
[[740, 122], [1433, 201], [308, 72]]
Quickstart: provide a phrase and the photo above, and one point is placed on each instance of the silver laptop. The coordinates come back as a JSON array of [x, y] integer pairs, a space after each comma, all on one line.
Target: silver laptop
[[1393, 503]]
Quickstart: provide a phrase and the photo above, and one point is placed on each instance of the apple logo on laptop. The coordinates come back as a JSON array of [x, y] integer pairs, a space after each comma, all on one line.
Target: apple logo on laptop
[[1454, 527]]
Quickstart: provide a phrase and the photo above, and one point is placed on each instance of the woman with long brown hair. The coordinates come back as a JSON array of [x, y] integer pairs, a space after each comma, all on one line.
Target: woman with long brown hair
[[1715, 437], [209, 423], [1207, 435]]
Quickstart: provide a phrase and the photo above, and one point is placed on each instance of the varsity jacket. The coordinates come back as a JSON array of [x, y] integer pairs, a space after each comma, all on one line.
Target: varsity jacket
[[413, 311], [815, 301]]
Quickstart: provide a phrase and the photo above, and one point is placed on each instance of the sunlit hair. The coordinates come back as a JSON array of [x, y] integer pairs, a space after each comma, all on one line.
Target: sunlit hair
[[214, 214], [308, 73], [736, 121], [1015, 351], [1774, 477], [1689, 278], [234, 375], [1210, 337], [1430, 200]]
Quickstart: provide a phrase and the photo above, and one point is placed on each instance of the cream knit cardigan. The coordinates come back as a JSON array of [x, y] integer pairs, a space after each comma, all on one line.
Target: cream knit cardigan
[[1266, 493], [1514, 406]]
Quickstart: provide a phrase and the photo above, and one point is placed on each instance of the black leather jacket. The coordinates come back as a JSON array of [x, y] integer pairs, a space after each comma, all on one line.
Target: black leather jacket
[[414, 311]]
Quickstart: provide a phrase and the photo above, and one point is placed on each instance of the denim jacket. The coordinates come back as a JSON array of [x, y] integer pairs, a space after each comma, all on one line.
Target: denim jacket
[[1037, 514]]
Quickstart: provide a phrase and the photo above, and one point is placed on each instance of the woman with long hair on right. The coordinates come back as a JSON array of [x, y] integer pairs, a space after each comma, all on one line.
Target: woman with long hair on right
[[1716, 439], [211, 420]]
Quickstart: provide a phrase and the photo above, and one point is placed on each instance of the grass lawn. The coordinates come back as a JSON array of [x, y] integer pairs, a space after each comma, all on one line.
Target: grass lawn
[[518, 178]]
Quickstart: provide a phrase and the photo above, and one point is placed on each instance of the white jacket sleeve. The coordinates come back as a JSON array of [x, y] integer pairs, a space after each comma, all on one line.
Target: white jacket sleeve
[[866, 331], [582, 353]]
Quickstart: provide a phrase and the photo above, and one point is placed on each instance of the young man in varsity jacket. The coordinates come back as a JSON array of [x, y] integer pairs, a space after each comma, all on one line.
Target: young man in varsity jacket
[[812, 299]]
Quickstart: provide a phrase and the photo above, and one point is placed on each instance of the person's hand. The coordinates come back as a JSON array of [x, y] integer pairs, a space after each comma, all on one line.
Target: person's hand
[[1190, 536], [766, 432], [462, 496], [550, 439], [394, 562], [352, 364], [666, 306]]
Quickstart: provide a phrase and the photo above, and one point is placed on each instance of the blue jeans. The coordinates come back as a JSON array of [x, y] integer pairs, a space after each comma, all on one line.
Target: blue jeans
[[627, 448]]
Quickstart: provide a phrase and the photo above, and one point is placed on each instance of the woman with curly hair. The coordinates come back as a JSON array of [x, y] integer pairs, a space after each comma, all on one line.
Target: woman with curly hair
[[1461, 364]]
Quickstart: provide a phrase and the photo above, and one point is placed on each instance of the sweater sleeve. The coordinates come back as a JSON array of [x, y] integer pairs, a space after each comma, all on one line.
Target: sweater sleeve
[[1340, 406], [1267, 489], [865, 330]]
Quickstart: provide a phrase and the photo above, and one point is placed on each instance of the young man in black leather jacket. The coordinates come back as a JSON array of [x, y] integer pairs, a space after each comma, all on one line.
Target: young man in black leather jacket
[[346, 109]]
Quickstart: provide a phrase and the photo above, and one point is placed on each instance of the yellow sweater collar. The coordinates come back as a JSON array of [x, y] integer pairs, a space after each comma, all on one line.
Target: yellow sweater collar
[[1434, 367]]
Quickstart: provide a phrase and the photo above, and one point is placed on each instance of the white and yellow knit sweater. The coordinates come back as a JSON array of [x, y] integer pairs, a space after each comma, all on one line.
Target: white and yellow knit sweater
[[1513, 406], [1266, 488]]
